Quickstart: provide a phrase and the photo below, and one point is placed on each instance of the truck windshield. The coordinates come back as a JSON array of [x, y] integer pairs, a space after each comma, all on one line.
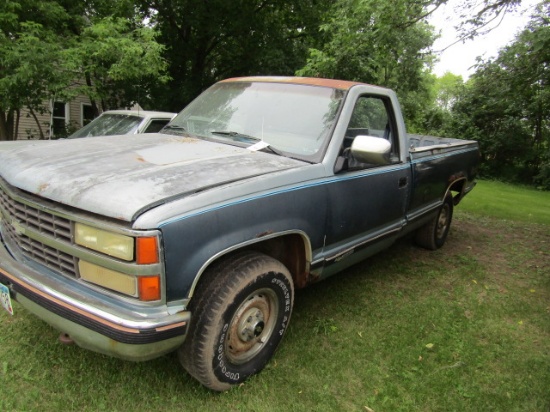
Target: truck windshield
[[291, 118]]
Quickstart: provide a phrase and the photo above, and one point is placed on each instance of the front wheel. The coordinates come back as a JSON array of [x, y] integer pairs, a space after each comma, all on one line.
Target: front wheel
[[240, 312], [434, 234]]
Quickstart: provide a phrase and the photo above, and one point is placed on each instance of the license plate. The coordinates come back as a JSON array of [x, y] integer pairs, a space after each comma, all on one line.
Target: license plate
[[5, 299]]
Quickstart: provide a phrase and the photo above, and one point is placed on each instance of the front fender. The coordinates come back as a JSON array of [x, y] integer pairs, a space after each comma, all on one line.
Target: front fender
[[192, 241]]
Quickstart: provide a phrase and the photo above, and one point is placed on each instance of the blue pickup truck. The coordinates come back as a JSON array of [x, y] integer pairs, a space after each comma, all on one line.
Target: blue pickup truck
[[195, 238]]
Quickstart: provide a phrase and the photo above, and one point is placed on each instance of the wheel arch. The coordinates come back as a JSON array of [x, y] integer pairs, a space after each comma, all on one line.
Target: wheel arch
[[291, 248], [457, 185]]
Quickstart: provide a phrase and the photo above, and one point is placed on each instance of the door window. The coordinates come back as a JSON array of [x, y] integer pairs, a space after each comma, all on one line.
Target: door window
[[371, 116]]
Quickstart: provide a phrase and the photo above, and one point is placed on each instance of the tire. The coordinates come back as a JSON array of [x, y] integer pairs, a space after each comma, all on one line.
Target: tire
[[240, 312], [434, 234]]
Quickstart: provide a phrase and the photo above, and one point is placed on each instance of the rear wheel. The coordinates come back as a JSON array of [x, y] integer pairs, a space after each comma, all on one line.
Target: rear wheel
[[434, 234], [240, 312]]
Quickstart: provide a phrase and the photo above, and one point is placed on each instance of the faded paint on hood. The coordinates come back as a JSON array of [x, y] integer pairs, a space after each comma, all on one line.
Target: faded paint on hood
[[121, 176]]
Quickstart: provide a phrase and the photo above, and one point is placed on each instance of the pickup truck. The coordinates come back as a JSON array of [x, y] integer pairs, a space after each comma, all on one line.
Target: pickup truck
[[194, 239]]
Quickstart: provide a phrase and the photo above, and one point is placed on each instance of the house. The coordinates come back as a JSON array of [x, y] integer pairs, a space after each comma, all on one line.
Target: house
[[58, 120]]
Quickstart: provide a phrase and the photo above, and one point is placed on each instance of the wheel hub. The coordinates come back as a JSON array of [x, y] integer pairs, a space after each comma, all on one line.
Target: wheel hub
[[252, 325]]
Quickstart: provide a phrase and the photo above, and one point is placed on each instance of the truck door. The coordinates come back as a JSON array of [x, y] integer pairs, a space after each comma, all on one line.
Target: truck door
[[366, 201]]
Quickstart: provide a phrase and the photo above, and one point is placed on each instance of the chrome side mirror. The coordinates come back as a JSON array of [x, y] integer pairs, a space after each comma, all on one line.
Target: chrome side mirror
[[370, 149]]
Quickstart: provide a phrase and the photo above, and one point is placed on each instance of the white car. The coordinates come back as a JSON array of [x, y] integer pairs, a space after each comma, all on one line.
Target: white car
[[117, 122]]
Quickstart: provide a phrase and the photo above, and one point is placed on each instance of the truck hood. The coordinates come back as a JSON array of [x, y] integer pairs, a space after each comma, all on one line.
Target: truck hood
[[122, 176]]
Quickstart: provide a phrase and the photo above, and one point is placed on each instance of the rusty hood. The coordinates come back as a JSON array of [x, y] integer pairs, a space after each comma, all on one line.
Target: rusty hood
[[122, 176]]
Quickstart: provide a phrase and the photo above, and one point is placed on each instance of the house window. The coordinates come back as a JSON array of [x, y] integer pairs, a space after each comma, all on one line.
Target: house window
[[60, 116], [87, 114]]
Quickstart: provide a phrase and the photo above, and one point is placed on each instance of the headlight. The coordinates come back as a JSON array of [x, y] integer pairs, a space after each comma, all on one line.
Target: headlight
[[107, 278], [146, 288], [112, 244], [132, 281]]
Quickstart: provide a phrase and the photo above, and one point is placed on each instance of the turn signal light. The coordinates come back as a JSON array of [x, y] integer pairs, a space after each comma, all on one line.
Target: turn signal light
[[147, 251], [149, 288]]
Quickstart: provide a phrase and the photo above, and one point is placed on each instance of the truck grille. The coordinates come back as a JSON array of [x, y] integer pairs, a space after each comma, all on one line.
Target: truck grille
[[19, 218]]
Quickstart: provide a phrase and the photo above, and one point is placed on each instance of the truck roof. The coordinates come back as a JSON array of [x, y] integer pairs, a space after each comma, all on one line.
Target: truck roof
[[312, 81], [142, 113]]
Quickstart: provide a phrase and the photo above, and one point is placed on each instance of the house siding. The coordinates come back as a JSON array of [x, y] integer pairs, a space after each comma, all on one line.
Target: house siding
[[28, 128]]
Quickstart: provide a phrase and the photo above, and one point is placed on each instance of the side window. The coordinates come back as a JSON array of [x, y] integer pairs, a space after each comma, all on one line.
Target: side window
[[156, 125], [371, 116]]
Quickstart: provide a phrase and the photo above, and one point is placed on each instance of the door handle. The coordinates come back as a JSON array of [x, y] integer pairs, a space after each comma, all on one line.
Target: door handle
[[402, 182]]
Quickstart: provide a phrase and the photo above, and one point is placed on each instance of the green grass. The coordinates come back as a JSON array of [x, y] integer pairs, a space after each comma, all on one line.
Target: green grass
[[504, 201], [464, 328]]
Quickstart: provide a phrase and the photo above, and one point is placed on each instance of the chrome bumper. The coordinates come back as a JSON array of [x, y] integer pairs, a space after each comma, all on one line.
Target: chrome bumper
[[94, 321]]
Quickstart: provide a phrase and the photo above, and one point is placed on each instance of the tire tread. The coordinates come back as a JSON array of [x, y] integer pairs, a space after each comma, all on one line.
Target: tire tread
[[210, 299]]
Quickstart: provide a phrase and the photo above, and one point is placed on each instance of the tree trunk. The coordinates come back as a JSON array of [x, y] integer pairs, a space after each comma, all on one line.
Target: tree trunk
[[95, 109], [6, 125], [42, 137], [3, 127], [17, 118]]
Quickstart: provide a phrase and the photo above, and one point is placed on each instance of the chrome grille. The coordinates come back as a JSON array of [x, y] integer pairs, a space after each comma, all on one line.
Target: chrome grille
[[17, 217]]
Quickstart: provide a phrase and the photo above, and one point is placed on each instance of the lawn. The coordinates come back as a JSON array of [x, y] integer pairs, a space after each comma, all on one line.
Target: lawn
[[464, 328], [509, 202]]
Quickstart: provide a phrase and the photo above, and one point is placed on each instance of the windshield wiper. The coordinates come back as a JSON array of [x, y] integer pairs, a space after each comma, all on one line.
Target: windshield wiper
[[242, 137], [239, 136]]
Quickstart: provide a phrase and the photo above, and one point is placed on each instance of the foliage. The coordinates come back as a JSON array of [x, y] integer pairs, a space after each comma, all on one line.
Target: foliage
[[435, 117], [59, 48], [506, 107], [208, 41], [119, 59], [447, 90], [163, 53], [377, 42], [30, 56], [478, 18]]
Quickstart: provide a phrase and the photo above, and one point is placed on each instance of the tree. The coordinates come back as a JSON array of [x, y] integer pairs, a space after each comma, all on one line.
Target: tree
[[507, 107], [435, 116], [29, 58], [447, 89], [378, 42], [481, 17], [118, 59], [59, 48], [207, 41], [114, 46]]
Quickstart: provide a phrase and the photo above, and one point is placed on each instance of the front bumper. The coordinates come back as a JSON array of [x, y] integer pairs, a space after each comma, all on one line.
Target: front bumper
[[93, 321]]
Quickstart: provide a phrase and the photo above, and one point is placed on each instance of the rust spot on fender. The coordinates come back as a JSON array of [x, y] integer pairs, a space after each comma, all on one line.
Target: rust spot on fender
[[43, 187], [267, 232], [140, 159], [455, 177]]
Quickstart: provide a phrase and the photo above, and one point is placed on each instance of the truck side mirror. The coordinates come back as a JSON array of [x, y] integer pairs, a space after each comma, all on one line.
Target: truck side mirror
[[370, 149]]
